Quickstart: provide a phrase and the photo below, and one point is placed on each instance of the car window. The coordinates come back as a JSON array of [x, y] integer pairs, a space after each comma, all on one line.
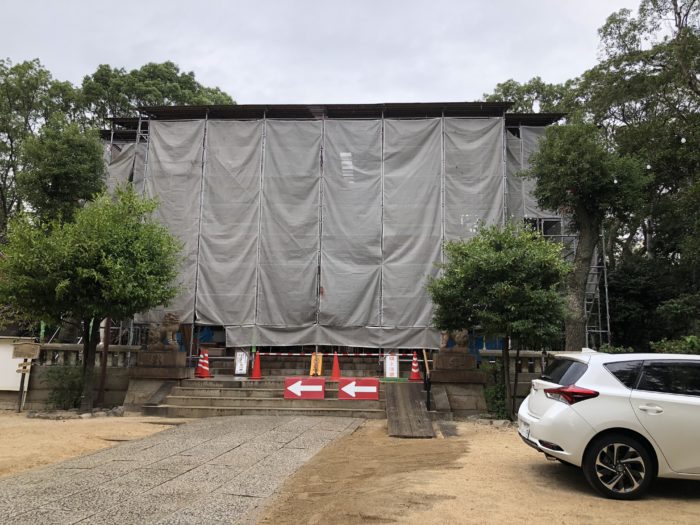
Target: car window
[[672, 377], [564, 371], [626, 372]]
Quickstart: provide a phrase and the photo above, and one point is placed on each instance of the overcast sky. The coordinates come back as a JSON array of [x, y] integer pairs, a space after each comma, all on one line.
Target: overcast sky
[[309, 51]]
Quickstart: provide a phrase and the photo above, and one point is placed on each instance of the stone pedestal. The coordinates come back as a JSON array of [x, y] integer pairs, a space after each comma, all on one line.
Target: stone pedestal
[[455, 365], [457, 383], [165, 364]]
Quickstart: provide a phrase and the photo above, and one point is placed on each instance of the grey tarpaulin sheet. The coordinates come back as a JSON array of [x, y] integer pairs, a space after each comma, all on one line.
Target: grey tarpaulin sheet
[[364, 204], [530, 136], [367, 336], [351, 251], [174, 176], [289, 224], [123, 167], [412, 212], [514, 155], [228, 256], [473, 175]]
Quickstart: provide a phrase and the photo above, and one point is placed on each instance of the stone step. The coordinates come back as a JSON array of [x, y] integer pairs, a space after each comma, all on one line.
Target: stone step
[[206, 411], [230, 382], [277, 365], [238, 393], [306, 361], [272, 403], [293, 372]]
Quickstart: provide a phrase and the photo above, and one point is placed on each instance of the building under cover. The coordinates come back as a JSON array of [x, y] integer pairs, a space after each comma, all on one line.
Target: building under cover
[[320, 225]]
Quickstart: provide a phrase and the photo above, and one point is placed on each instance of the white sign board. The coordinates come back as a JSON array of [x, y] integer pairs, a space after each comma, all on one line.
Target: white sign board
[[391, 365], [241, 363], [9, 378]]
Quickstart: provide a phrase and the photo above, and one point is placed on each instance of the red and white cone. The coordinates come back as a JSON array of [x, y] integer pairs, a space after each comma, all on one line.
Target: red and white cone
[[415, 372], [335, 374], [202, 371], [257, 373]]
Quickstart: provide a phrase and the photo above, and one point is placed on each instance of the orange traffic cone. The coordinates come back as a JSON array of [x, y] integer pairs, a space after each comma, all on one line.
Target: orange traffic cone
[[415, 373], [335, 374], [257, 374], [202, 371]]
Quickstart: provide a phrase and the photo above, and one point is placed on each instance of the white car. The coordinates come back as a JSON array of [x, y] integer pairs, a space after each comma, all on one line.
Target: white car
[[625, 419]]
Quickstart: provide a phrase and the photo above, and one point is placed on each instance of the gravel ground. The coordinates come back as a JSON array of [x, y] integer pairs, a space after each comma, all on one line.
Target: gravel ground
[[481, 475]]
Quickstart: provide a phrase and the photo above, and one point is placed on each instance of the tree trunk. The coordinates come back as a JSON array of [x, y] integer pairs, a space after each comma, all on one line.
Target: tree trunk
[[103, 362], [91, 336], [575, 324], [505, 361], [513, 411]]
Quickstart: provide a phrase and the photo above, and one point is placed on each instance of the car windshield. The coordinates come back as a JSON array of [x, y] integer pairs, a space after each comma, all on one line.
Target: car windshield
[[564, 371]]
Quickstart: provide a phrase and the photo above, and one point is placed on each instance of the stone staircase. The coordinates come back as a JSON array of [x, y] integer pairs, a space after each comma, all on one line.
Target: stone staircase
[[227, 395], [234, 397]]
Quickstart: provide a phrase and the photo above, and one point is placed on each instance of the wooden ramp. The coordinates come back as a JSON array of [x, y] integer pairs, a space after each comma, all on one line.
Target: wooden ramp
[[406, 413]]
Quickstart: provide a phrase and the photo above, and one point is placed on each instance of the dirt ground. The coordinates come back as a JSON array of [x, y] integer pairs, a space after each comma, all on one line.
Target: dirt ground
[[28, 443], [481, 475]]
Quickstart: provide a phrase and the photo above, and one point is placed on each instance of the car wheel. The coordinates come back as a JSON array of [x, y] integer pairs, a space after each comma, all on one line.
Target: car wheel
[[619, 467]]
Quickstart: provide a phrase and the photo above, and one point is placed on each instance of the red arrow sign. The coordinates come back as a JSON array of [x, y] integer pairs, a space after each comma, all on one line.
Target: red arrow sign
[[304, 387], [358, 388]]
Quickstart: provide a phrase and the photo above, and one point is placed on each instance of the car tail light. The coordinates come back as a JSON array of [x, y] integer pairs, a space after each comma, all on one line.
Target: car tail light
[[570, 394]]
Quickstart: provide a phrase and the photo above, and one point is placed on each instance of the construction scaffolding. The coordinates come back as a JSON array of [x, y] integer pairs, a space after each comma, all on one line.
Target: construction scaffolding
[[319, 224]]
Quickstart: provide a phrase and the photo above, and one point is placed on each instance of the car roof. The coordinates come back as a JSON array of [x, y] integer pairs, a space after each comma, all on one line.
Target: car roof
[[601, 357]]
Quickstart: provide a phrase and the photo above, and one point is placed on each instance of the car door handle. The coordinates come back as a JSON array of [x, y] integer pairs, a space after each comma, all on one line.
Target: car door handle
[[651, 409]]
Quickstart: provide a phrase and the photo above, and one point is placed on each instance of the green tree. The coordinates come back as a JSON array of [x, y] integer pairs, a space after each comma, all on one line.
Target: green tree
[[114, 92], [535, 95], [113, 260], [578, 175], [645, 95], [62, 166], [28, 96], [505, 281]]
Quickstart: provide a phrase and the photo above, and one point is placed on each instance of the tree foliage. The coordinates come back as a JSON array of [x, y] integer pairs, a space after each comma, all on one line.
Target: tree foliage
[[644, 98], [535, 95], [62, 166], [578, 175], [504, 281], [30, 98], [113, 91], [113, 260]]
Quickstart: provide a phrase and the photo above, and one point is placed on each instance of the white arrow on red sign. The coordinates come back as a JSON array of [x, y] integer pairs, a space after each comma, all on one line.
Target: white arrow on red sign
[[304, 388], [299, 387], [352, 388]]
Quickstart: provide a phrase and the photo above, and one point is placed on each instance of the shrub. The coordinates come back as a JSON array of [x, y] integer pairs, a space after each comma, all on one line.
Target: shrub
[[689, 344], [495, 390], [610, 349], [66, 386]]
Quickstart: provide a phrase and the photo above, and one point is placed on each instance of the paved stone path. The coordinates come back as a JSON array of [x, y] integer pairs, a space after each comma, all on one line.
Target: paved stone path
[[213, 471]]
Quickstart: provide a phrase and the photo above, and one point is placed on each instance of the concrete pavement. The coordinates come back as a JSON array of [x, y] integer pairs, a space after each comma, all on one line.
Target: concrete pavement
[[213, 471]]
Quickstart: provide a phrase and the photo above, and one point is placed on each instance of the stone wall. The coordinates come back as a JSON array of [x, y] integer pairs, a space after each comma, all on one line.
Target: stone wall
[[38, 391]]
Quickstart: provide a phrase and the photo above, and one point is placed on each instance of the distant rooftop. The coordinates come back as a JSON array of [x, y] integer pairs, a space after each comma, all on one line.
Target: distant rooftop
[[125, 128]]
